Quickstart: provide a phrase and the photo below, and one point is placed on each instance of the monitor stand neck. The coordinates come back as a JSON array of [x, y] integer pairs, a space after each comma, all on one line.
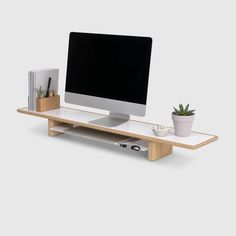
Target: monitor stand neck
[[114, 119]]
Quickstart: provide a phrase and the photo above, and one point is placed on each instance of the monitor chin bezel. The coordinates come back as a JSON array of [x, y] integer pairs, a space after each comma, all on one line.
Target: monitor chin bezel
[[112, 105]]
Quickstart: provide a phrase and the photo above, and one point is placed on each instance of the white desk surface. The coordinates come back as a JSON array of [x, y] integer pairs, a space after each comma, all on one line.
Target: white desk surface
[[130, 128]]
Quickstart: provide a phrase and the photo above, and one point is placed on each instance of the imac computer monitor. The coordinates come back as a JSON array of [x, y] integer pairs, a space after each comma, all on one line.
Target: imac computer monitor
[[108, 72]]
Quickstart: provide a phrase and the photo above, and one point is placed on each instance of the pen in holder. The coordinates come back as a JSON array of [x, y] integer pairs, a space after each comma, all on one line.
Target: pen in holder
[[47, 103]]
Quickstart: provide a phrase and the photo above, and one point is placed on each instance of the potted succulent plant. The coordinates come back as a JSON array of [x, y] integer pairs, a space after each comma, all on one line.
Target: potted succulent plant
[[183, 120], [41, 93]]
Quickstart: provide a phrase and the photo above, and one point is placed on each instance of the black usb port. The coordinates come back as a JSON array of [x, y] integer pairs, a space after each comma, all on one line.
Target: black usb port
[[123, 145]]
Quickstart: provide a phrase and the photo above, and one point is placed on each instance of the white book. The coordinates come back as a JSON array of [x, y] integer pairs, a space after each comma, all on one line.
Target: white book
[[30, 89], [39, 78]]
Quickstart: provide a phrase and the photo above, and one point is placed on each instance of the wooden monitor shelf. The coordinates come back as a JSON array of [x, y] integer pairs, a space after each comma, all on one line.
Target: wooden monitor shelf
[[157, 146]]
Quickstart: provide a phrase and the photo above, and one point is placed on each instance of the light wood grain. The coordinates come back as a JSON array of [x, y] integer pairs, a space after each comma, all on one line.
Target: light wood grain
[[51, 124], [158, 150], [47, 104]]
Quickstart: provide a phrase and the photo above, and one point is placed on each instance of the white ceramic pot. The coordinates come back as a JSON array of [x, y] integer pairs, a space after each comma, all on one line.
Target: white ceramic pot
[[182, 124]]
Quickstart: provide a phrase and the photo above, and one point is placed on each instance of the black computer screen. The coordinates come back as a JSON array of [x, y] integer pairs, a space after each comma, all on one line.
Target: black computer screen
[[109, 66]]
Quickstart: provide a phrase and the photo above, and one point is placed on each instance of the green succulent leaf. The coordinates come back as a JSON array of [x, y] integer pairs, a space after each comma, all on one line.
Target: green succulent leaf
[[183, 111], [176, 110], [191, 111], [40, 92], [186, 108]]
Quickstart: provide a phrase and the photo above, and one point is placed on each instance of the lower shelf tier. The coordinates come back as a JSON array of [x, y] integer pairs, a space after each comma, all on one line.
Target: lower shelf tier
[[105, 137]]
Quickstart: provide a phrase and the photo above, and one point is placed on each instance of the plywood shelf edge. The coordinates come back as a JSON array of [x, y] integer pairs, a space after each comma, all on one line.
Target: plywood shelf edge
[[132, 128]]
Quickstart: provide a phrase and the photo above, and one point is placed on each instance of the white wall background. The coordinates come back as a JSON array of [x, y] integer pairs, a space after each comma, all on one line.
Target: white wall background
[[67, 186]]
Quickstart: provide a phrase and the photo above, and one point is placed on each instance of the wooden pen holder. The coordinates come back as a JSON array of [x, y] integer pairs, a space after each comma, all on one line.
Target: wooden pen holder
[[49, 103]]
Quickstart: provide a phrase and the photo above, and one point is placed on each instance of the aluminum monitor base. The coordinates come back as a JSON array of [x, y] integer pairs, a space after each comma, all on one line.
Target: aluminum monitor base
[[114, 119]]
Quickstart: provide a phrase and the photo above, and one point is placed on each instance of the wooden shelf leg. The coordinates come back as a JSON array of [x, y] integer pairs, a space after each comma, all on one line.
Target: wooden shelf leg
[[158, 150], [51, 124]]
